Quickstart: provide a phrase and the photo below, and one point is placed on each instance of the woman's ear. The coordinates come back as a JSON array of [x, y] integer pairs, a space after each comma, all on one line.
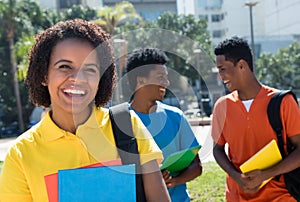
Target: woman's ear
[[45, 82]]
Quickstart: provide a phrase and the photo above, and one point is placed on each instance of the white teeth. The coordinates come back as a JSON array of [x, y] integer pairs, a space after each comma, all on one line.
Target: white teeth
[[74, 91]]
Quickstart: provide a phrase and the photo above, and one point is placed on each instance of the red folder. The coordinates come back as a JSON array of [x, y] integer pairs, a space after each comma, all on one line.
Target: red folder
[[52, 179]]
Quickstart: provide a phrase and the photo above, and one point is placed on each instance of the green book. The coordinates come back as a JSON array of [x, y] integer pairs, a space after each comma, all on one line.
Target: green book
[[180, 160]]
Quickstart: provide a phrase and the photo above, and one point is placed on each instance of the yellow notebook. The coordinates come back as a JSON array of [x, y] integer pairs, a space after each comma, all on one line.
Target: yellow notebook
[[265, 158]]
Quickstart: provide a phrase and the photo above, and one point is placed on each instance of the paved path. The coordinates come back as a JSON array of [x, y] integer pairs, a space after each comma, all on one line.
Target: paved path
[[202, 133], [4, 145]]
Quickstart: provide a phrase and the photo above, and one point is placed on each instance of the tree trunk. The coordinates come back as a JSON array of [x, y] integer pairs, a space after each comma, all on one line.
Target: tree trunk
[[13, 63]]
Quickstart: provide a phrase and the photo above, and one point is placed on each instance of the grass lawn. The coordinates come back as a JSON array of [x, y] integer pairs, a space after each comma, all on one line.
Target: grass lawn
[[210, 186]]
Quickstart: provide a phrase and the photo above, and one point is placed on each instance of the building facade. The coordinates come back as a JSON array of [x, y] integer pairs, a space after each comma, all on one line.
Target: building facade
[[282, 17], [59, 5], [275, 24], [148, 9]]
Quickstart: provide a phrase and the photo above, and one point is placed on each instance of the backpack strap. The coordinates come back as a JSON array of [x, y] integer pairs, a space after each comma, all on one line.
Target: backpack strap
[[275, 117], [126, 143]]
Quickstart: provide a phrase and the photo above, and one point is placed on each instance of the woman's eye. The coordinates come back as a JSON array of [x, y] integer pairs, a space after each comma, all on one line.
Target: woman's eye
[[64, 67], [92, 70]]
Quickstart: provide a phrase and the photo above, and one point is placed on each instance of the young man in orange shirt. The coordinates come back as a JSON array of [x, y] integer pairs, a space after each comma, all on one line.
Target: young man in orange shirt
[[240, 120]]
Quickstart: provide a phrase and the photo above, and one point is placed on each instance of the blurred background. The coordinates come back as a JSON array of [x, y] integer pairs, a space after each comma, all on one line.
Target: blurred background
[[187, 30]]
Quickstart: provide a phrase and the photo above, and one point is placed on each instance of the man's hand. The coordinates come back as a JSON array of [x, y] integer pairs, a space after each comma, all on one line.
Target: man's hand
[[169, 180], [250, 182]]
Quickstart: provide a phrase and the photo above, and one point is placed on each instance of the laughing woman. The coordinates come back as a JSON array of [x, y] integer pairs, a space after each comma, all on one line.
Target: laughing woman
[[72, 69]]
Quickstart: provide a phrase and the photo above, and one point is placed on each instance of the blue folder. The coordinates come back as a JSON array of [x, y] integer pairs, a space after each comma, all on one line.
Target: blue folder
[[111, 183]]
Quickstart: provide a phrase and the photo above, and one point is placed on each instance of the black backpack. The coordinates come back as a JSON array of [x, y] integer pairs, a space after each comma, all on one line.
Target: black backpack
[[292, 178], [126, 143]]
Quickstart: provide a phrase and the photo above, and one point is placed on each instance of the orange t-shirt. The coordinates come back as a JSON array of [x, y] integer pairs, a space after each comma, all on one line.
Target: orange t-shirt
[[247, 132]]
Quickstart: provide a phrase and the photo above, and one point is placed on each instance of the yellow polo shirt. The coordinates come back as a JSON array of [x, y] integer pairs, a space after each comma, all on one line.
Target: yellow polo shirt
[[45, 149]]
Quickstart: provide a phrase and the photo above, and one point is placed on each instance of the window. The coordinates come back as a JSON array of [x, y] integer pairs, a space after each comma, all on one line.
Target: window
[[203, 17], [210, 3], [68, 3], [218, 33], [217, 17]]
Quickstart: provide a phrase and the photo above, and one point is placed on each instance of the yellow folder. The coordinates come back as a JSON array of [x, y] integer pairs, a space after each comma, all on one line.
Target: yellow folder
[[265, 158]]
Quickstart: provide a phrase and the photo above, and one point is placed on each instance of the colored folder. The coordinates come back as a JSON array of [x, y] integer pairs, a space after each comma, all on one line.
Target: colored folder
[[180, 160], [265, 158], [112, 183], [52, 179]]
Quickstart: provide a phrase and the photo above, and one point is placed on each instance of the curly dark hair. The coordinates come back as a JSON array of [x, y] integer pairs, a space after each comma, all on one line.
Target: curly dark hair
[[40, 53], [235, 49], [146, 57]]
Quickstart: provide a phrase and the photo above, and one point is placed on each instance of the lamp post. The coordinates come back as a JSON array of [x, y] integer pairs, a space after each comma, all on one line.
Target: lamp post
[[250, 5]]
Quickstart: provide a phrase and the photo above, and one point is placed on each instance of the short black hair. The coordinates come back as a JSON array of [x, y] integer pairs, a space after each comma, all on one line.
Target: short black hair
[[235, 49], [39, 57], [146, 58]]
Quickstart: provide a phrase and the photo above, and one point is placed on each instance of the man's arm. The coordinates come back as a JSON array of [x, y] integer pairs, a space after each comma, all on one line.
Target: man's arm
[[155, 188], [191, 172], [224, 162], [292, 161]]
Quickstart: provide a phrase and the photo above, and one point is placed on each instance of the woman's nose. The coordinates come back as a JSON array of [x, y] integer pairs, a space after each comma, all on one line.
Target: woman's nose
[[76, 75]]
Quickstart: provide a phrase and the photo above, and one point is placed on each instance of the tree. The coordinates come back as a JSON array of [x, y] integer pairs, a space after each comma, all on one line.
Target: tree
[[192, 58], [78, 11], [195, 30], [187, 25], [10, 18], [23, 46], [112, 17], [179, 34], [16, 18], [281, 70]]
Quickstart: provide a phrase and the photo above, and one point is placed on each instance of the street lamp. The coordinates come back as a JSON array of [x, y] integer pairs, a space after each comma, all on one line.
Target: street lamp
[[250, 5]]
